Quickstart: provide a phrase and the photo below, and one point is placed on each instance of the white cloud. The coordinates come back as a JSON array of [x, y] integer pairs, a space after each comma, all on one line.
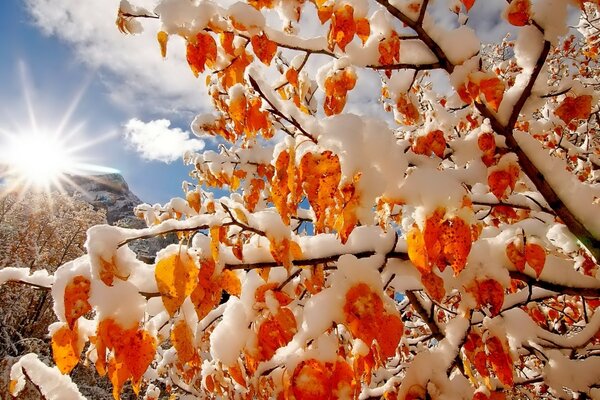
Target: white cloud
[[138, 78], [156, 140]]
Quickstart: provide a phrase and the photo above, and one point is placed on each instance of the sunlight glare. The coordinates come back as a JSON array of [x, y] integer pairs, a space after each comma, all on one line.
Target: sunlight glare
[[38, 159]]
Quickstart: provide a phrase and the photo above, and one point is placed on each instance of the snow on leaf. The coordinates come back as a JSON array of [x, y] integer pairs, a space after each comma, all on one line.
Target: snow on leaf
[[343, 27], [176, 279], [535, 255], [65, 350], [367, 320], [519, 12], [311, 381], [571, 108], [76, 299], [264, 48]]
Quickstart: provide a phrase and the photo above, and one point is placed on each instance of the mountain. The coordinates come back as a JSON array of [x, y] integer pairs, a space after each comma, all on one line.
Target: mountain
[[111, 193]]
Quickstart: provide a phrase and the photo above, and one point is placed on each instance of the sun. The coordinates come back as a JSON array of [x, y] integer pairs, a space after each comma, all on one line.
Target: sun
[[37, 160]]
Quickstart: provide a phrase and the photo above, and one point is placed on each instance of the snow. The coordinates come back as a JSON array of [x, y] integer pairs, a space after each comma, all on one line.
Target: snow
[[52, 384], [230, 335], [39, 278], [577, 196]]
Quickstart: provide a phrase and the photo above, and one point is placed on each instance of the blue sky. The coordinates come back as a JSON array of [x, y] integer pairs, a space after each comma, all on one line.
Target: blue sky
[[50, 69], [55, 49]]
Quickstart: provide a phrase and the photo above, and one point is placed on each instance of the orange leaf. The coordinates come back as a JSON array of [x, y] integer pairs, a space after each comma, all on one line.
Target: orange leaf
[[498, 182], [536, 257], [518, 12], [236, 373], [275, 332], [389, 51], [226, 39], [516, 255], [136, 349], [230, 282], [347, 219], [65, 350], [193, 199], [389, 335], [109, 271], [416, 392], [201, 51], [321, 175], [468, 4], [362, 309], [343, 384], [456, 243], [417, 252], [183, 341], [409, 113], [77, 294], [234, 73], [311, 381], [337, 86], [363, 29], [574, 108], [434, 286], [489, 292], [343, 27], [162, 38], [118, 375], [176, 279], [264, 48], [207, 293], [493, 90], [500, 360], [279, 186]]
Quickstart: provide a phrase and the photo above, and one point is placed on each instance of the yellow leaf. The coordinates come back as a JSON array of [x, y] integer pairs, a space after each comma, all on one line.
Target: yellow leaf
[[417, 252], [65, 349], [183, 341], [230, 282], [176, 279], [162, 38]]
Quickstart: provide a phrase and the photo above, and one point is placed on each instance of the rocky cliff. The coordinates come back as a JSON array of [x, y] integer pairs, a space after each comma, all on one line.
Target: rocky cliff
[[111, 193]]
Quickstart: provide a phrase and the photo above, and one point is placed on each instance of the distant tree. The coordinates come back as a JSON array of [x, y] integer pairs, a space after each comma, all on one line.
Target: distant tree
[[38, 231], [444, 247]]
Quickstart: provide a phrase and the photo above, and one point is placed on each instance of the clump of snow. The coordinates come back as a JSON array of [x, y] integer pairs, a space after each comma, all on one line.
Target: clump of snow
[[230, 336], [52, 384]]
